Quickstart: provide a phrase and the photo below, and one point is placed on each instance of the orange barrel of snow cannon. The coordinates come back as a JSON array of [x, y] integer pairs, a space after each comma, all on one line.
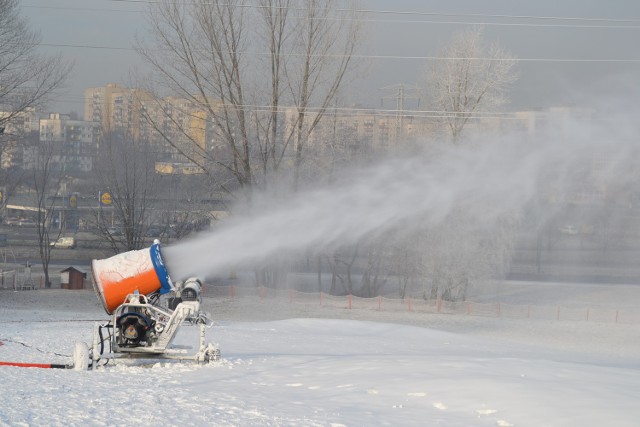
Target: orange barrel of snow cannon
[[123, 274]]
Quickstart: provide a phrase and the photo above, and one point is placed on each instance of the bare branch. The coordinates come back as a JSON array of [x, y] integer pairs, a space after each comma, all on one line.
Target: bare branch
[[26, 78]]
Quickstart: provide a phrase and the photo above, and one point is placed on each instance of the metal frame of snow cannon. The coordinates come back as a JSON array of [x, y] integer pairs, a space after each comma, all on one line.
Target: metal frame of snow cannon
[[141, 329], [129, 286]]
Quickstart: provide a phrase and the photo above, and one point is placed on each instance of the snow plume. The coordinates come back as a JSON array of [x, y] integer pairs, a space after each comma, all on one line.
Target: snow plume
[[485, 178]]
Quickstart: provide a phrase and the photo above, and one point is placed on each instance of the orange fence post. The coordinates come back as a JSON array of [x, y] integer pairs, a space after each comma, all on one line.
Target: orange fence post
[[233, 291], [291, 296], [349, 302], [379, 303], [320, 298], [439, 305], [409, 306]]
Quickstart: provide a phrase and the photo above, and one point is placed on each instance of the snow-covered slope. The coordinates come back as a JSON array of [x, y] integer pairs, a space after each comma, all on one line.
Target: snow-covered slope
[[293, 366]]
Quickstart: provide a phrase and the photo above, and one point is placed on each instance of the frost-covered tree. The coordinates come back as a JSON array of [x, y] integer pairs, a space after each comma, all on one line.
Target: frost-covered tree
[[444, 260], [469, 77]]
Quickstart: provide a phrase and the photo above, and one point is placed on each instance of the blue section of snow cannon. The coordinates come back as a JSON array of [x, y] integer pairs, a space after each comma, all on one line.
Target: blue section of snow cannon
[[161, 270]]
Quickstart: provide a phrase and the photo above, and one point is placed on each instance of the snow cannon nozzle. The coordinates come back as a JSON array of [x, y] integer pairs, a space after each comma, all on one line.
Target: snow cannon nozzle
[[141, 271]]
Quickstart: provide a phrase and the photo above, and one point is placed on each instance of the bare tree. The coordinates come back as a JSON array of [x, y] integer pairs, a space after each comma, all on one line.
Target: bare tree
[[361, 269], [274, 18], [48, 176], [11, 175], [187, 205], [263, 73], [317, 80], [245, 68], [407, 263], [469, 77], [126, 170], [27, 78]]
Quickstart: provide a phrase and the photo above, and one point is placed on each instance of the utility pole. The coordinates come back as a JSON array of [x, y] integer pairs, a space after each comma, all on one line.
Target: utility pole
[[401, 93]]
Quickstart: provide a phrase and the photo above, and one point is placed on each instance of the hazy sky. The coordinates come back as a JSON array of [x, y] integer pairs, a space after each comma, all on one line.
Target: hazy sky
[[610, 31]]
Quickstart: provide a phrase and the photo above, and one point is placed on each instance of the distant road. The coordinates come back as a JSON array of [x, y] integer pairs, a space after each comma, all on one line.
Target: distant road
[[22, 246]]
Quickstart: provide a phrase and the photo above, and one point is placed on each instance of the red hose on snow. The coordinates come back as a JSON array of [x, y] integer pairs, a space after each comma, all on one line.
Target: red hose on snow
[[34, 365]]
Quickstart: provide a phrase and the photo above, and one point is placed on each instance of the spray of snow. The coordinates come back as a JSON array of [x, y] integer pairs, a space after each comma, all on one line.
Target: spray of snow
[[485, 178]]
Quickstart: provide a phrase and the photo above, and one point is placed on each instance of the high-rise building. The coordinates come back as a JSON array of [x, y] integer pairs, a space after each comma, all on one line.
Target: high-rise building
[[76, 140], [116, 107], [177, 128], [19, 131], [360, 128]]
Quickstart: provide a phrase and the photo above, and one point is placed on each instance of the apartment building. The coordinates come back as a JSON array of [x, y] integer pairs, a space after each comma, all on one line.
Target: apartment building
[[75, 141], [19, 130], [362, 128], [172, 125]]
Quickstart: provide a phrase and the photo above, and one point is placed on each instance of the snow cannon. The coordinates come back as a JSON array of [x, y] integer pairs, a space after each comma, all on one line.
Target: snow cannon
[[140, 271], [146, 310]]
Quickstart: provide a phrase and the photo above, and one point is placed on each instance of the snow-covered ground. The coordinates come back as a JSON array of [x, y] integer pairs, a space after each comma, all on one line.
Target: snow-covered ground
[[300, 365]]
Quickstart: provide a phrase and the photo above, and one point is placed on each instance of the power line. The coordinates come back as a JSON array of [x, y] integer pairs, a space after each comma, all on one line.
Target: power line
[[479, 15], [385, 57], [359, 110], [85, 46], [572, 19], [398, 21], [84, 9], [512, 24], [377, 112], [411, 12], [406, 114]]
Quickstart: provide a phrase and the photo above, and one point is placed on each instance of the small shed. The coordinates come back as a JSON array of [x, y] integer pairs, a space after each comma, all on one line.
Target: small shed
[[72, 278]]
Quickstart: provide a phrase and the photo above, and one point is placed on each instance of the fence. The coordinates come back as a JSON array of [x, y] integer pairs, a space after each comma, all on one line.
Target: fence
[[438, 306], [8, 279], [22, 280]]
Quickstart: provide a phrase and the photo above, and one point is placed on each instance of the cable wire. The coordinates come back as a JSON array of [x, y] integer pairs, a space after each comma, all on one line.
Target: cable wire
[[573, 20], [410, 12], [34, 348], [383, 57]]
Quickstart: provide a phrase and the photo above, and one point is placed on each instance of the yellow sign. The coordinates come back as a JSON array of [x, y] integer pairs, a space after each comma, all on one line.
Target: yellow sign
[[105, 198], [73, 201]]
